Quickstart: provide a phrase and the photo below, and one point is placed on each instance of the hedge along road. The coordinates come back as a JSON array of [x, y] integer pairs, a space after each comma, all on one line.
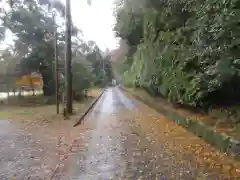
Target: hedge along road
[[122, 138]]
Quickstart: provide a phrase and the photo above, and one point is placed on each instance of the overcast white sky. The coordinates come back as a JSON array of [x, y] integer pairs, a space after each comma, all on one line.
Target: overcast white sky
[[96, 22]]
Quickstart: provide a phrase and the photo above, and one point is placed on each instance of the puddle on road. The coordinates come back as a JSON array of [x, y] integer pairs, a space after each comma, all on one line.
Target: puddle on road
[[5, 127]]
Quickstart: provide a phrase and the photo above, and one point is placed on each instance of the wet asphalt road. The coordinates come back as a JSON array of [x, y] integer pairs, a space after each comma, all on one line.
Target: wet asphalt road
[[113, 144]]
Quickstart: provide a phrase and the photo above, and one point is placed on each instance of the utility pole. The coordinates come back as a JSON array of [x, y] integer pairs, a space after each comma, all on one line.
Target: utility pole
[[68, 58], [103, 66], [104, 74], [56, 65]]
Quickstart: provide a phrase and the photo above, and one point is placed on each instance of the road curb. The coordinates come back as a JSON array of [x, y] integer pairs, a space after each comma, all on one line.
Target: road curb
[[220, 141], [88, 109]]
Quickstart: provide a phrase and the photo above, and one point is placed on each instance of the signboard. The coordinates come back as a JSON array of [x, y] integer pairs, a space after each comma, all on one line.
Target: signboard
[[32, 79]]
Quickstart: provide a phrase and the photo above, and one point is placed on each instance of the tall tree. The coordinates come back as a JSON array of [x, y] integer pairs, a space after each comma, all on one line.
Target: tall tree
[[182, 49], [31, 22]]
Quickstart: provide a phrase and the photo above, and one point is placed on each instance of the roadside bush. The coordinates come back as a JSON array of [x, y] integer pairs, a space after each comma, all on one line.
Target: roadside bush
[[188, 50]]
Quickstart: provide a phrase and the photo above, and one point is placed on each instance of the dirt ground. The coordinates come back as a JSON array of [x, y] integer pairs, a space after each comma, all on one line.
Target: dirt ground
[[34, 139], [124, 139], [121, 138], [219, 118]]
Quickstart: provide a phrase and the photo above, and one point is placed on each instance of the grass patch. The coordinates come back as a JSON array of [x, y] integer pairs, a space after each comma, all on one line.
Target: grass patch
[[44, 112], [235, 132], [41, 108]]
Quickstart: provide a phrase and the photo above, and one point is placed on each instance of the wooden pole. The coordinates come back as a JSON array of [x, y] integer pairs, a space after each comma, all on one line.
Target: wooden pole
[[56, 65], [68, 59]]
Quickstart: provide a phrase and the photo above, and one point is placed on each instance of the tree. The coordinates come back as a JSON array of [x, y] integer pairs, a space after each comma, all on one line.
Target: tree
[[8, 72], [33, 28], [182, 49], [102, 68], [32, 24], [129, 16], [82, 77]]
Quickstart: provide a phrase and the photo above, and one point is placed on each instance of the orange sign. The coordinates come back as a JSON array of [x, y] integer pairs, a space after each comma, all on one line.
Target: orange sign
[[31, 79]]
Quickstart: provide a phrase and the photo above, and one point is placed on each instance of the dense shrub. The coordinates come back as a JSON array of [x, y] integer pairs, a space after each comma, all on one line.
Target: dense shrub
[[188, 50]]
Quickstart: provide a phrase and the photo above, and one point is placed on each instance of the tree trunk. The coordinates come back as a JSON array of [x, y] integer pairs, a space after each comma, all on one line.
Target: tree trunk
[[33, 91], [14, 92], [22, 92], [47, 90], [48, 83], [32, 86]]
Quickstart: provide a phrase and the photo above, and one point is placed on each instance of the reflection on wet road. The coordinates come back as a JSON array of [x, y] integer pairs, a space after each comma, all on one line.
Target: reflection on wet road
[[116, 145]]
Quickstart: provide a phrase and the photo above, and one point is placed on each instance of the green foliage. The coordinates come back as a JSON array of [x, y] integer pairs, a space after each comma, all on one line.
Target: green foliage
[[130, 20], [102, 68], [2, 33], [32, 24], [82, 75], [188, 51]]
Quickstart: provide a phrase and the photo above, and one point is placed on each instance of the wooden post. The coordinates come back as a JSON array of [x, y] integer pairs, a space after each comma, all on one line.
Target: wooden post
[[56, 65], [68, 59]]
